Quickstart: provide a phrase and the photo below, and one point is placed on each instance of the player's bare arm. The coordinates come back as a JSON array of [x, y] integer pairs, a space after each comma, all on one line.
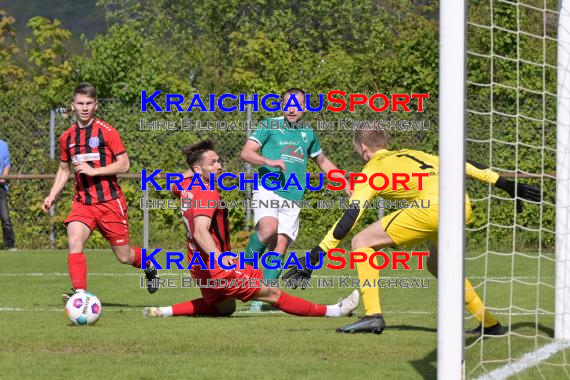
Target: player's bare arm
[[120, 166], [61, 178], [204, 238], [326, 166], [250, 154]]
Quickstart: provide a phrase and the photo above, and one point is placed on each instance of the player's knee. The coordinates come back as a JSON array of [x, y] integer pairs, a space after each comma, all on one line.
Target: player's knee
[[281, 247], [269, 294], [274, 294], [283, 242], [357, 242], [226, 308], [75, 243], [266, 231], [123, 259]]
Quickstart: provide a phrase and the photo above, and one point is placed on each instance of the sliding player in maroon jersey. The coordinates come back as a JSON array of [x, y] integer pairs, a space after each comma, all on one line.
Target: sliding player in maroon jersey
[[98, 155], [207, 232]]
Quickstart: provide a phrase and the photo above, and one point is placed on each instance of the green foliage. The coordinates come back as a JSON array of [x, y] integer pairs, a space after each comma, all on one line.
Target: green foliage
[[265, 46], [123, 63], [9, 71], [513, 119], [48, 55]]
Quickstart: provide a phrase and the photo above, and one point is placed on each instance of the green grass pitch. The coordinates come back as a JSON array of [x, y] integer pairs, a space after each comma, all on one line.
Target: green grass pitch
[[36, 340]]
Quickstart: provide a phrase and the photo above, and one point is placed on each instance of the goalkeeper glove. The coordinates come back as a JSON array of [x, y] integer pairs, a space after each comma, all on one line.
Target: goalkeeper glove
[[304, 274], [523, 191]]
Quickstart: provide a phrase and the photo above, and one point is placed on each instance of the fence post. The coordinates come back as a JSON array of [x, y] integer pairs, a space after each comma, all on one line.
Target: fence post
[[145, 219], [52, 116], [248, 194]]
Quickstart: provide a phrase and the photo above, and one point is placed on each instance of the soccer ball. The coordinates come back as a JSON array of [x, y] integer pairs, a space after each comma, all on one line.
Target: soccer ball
[[83, 308]]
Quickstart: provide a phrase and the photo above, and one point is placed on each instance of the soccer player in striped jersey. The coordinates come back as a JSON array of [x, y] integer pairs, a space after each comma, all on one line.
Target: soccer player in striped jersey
[[97, 154], [404, 227], [207, 233]]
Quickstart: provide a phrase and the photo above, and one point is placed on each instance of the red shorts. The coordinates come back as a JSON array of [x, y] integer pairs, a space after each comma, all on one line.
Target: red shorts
[[244, 291], [109, 217]]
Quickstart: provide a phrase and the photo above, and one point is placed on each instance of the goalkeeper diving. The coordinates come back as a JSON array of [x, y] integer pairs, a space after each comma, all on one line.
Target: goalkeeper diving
[[404, 227]]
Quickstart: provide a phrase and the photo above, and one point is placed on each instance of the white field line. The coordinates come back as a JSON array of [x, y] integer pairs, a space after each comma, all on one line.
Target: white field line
[[15, 309], [526, 361]]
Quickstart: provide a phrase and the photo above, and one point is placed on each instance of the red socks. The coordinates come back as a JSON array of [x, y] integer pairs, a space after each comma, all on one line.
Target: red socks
[[77, 266], [287, 303], [194, 307], [298, 306], [137, 261], [138, 257]]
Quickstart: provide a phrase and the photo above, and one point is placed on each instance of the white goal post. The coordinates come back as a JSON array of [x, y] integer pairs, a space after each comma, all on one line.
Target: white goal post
[[452, 86], [452, 127], [562, 292]]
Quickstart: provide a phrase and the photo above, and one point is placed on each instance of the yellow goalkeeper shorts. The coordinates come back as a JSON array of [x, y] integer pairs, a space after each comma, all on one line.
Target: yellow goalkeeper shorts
[[413, 225]]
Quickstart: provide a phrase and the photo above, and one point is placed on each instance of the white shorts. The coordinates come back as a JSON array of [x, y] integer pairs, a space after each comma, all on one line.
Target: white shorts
[[288, 216]]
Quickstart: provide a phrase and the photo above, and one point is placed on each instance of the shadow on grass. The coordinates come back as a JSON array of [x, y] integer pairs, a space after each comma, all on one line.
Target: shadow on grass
[[411, 328], [426, 366], [548, 331], [542, 328], [125, 305]]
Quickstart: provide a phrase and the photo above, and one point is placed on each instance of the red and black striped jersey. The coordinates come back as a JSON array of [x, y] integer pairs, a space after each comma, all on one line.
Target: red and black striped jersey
[[198, 202], [97, 144]]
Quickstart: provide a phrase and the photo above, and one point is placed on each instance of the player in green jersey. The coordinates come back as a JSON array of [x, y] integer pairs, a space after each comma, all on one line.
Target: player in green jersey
[[281, 145]]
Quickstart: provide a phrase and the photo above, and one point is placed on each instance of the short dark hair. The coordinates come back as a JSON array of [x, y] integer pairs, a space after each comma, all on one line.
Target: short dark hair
[[194, 152], [292, 90], [84, 89], [371, 137]]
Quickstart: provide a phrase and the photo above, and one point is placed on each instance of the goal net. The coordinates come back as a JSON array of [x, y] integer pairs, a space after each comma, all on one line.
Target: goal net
[[511, 254]]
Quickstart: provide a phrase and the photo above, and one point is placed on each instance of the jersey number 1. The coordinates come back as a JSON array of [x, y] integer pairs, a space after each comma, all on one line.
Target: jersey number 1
[[423, 165]]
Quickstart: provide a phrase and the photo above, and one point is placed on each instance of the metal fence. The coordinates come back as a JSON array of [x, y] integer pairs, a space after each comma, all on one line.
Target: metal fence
[[32, 132]]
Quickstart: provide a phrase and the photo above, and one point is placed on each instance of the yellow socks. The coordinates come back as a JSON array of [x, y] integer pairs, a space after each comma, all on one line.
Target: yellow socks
[[476, 307], [370, 295]]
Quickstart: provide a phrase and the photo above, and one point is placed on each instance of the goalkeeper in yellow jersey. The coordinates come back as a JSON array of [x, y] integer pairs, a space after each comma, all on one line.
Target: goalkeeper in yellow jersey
[[406, 226]]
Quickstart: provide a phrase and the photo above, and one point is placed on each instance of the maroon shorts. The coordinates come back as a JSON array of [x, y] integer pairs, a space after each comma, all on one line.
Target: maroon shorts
[[242, 289], [109, 217]]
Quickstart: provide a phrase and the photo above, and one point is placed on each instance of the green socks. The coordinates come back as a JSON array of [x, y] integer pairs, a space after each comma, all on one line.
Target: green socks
[[254, 245], [273, 274]]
